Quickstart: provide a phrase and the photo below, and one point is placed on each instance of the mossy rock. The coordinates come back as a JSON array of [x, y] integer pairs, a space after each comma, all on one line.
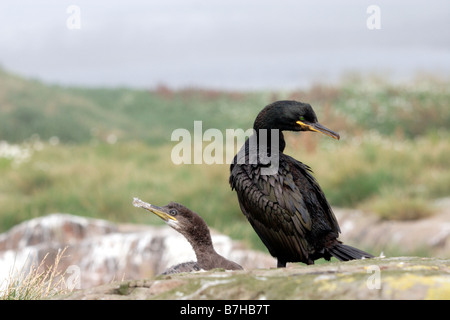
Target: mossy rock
[[379, 278]]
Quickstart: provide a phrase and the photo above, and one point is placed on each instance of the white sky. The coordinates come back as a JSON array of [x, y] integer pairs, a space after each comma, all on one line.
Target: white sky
[[223, 44]]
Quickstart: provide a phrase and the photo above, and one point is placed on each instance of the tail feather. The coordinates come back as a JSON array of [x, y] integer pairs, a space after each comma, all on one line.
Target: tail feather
[[344, 252]]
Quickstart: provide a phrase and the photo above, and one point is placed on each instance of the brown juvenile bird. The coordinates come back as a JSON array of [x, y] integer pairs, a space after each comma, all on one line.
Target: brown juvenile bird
[[281, 199], [196, 231]]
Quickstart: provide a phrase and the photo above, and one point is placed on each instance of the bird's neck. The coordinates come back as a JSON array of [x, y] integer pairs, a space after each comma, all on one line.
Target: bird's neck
[[202, 245], [266, 140]]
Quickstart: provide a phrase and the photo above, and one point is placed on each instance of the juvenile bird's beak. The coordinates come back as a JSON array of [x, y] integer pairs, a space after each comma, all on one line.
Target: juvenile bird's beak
[[154, 209], [160, 213], [317, 127]]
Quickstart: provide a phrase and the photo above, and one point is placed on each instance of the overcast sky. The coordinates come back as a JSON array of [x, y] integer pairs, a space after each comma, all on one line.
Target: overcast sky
[[221, 44]]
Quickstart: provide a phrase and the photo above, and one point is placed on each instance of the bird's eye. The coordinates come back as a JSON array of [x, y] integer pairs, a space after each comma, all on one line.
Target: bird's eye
[[173, 212], [302, 118]]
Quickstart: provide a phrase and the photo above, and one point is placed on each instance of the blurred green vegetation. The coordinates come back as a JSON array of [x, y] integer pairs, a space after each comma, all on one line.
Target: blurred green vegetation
[[90, 151]]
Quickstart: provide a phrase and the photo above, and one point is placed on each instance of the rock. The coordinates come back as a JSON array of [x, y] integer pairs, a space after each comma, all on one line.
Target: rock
[[379, 278], [101, 252], [427, 236], [55, 228]]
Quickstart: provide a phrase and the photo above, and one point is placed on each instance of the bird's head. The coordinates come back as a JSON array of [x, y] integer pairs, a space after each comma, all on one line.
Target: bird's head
[[180, 218], [291, 116]]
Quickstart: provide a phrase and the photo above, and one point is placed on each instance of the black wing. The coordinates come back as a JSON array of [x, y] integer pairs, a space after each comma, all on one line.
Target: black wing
[[286, 209]]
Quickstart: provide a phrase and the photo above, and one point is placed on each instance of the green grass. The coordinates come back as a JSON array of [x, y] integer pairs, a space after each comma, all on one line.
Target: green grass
[[397, 179], [37, 282], [100, 181]]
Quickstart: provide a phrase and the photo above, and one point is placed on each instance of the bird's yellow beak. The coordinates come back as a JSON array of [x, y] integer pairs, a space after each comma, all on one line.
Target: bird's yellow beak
[[153, 209], [317, 127], [160, 213]]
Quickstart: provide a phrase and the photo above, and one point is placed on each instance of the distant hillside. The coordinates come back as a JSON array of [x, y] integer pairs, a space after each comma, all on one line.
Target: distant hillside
[[79, 115]]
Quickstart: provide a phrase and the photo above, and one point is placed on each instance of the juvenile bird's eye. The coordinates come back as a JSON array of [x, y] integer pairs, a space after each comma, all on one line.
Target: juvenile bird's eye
[[173, 212]]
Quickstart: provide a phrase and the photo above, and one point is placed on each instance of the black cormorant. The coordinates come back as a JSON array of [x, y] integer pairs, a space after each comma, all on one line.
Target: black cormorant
[[285, 204], [196, 231]]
